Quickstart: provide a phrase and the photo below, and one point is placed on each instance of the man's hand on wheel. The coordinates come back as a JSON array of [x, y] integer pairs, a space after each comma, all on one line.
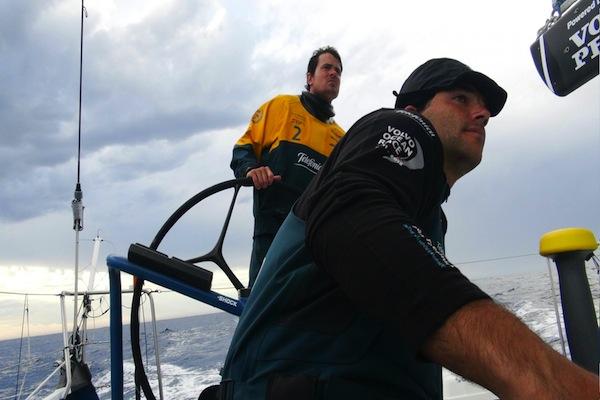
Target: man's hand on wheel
[[263, 177]]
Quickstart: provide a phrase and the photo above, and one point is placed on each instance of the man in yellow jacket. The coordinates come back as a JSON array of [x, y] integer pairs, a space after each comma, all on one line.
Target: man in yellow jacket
[[287, 141]]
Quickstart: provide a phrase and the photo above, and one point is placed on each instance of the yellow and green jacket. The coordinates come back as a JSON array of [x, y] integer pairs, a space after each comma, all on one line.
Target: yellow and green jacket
[[287, 138]]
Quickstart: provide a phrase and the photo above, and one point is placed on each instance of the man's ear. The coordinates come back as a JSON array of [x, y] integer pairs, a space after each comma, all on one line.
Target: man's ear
[[410, 108]]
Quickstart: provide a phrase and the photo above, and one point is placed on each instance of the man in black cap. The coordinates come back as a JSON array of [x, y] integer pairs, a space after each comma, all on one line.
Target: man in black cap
[[356, 299]]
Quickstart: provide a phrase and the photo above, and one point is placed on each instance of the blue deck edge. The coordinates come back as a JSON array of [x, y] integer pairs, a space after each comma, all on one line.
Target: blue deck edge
[[117, 264]]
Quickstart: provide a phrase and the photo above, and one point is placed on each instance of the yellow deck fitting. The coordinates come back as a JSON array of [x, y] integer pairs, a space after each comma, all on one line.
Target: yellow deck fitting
[[567, 239]]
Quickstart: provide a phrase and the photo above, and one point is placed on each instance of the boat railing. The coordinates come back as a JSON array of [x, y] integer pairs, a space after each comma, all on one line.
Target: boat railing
[[70, 348]]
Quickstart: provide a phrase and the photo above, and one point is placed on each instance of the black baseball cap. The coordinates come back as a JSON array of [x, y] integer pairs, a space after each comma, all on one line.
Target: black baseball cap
[[444, 73]]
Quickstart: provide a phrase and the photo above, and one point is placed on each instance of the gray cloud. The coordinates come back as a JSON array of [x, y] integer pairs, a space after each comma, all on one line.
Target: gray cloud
[[162, 78]]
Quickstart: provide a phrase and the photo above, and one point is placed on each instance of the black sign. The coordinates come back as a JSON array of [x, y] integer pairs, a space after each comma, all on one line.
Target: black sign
[[566, 55]]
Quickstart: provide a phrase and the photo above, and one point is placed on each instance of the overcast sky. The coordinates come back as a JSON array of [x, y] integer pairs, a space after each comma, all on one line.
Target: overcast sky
[[168, 87]]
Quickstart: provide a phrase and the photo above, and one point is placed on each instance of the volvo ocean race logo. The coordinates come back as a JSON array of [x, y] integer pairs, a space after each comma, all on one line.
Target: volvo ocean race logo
[[401, 148], [310, 164]]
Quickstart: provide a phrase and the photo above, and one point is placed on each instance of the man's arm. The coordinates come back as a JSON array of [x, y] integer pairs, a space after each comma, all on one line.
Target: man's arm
[[243, 159], [245, 164], [490, 346], [247, 150]]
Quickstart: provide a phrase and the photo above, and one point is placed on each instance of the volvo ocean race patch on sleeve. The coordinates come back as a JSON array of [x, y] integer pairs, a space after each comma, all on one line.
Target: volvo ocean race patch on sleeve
[[401, 148]]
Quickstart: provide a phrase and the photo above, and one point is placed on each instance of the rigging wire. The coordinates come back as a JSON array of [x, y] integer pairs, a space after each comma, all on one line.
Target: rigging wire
[[482, 260], [25, 312], [495, 259], [555, 303], [597, 265], [145, 334], [28, 364], [94, 316], [30, 294]]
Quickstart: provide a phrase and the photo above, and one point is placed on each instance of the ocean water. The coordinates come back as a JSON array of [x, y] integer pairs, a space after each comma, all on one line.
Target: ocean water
[[192, 349]]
